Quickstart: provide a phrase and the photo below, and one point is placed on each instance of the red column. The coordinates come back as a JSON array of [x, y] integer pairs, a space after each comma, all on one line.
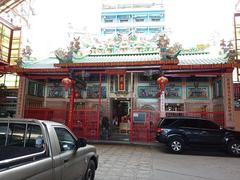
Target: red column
[[131, 122], [99, 104], [71, 106]]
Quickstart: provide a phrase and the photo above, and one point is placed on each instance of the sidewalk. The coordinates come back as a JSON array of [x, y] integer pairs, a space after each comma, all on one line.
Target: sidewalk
[[144, 161]]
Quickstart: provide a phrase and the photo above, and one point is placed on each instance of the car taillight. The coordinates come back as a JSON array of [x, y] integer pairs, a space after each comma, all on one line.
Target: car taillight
[[159, 130]]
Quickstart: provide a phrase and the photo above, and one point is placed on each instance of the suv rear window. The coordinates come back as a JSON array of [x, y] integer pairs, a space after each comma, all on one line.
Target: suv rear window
[[204, 124], [166, 122], [192, 123]]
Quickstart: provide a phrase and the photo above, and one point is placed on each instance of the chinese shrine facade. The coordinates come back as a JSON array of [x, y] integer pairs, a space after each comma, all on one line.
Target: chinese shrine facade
[[123, 89]]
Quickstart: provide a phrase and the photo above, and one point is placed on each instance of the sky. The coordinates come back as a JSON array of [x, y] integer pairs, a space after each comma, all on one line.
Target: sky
[[189, 22]]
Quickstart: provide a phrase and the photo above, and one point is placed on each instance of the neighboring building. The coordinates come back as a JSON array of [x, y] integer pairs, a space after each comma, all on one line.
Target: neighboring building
[[10, 37], [7, 5], [14, 19], [236, 74], [145, 17]]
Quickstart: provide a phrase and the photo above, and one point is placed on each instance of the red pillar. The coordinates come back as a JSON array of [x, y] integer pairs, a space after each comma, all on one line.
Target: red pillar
[[131, 123], [99, 104], [71, 106]]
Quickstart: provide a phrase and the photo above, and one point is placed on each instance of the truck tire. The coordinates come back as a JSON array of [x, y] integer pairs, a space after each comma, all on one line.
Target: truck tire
[[234, 148], [90, 172], [176, 145]]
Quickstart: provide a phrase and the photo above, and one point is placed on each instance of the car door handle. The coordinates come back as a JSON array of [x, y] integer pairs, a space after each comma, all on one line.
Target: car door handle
[[203, 132]]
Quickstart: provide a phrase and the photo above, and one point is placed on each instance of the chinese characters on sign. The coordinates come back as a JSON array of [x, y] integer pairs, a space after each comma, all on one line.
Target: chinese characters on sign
[[229, 99], [121, 82]]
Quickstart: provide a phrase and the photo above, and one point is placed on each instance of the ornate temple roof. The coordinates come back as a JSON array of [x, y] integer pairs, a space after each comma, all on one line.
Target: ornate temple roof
[[126, 59], [201, 58], [156, 56]]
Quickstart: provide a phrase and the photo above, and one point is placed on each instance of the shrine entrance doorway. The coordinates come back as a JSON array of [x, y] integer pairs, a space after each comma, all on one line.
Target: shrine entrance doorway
[[120, 119]]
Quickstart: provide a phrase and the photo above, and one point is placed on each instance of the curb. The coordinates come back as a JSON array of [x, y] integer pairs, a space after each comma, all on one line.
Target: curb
[[110, 142]]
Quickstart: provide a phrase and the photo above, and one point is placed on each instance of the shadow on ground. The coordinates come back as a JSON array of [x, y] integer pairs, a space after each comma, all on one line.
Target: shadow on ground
[[195, 151], [199, 151]]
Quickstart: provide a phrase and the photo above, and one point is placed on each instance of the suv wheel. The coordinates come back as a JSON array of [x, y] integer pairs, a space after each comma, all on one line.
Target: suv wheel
[[234, 148], [176, 145]]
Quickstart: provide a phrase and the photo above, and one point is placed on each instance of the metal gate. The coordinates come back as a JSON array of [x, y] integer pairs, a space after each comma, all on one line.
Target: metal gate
[[143, 125], [85, 121]]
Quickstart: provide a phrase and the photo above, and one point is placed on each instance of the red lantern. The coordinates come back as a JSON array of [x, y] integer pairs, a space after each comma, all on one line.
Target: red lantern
[[162, 81], [77, 95], [66, 83]]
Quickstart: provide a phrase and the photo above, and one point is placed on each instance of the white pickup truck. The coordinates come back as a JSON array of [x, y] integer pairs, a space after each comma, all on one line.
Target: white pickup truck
[[43, 150]]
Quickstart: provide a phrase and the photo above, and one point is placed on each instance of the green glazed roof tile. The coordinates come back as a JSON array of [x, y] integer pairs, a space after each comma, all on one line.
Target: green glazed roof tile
[[184, 59]]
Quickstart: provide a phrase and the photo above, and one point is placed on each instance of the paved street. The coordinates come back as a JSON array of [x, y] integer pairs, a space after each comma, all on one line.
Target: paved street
[[118, 162]]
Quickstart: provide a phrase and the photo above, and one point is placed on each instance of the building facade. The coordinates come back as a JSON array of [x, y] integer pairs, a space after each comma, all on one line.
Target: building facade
[[123, 88]]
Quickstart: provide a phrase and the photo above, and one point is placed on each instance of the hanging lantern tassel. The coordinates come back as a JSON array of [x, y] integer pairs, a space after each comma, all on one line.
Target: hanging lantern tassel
[[77, 95], [162, 81], [66, 83]]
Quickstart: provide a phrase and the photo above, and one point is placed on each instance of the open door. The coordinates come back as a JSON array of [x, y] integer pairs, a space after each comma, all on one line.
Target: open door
[[120, 120]]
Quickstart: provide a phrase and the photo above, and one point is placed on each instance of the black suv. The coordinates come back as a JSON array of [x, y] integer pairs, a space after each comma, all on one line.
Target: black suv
[[178, 132]]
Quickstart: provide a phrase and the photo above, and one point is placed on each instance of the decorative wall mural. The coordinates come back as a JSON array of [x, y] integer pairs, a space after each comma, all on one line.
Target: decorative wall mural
[[92, 91], [56, 91], [35, 89], [148, 91], [198, 93], [173, 92]]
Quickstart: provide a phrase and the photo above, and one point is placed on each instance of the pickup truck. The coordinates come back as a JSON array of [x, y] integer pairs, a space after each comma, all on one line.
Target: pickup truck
[[38, 149]]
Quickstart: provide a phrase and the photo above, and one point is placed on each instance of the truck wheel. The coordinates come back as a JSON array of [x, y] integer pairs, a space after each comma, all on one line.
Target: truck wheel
[[90, 172], [176, 145], [234, 148]]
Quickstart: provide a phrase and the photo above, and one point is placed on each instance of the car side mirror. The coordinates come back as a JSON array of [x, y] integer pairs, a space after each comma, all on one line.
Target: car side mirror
[[81, 142]]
